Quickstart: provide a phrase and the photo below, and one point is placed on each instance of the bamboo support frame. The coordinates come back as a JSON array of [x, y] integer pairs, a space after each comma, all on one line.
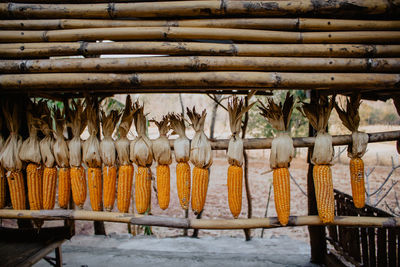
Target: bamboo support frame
[[352, 9], [284, 24], [189, 33], [214, 224], [35, 50], [206, 80]]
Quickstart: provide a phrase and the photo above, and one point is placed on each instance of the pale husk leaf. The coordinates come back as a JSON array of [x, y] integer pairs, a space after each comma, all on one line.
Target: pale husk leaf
[[359, 145], [78, 125], [107, 146], [60, 149], [46, 144], [122, 144], [323, 150], [182, 143], [30, 149], [161, 148], [282, 151], [235, 151], [91, 147]]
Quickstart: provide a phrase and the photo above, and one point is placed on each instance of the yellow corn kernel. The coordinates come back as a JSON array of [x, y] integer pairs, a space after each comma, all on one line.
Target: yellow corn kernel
[[34, 177], [95, 188], [124, 193], [2, 188], [281, 182], [357, 182], [142, 189], [49, 188], [163, 185], [109, 185], [17, 189], [322, 175], [199, 189], [78, 182], [64, 187], [235, 185], [183, 183]]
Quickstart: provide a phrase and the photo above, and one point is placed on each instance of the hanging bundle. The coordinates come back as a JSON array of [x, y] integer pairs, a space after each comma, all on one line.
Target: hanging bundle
[[9, 157], [162, 154], [182, 155], [30, 153], [282, 152], [46, 149], [107, 152], [351, 120], [91, 154], [125, 172], [61, 155], [77, 122], [141, 153], [201, 157], [318, 115]]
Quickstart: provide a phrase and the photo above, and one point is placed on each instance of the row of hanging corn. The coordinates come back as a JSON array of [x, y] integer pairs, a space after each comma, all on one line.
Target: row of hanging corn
[[40, 157]]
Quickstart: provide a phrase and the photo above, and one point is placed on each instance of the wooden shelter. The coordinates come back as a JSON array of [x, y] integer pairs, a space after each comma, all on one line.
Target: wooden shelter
[[215, 46]]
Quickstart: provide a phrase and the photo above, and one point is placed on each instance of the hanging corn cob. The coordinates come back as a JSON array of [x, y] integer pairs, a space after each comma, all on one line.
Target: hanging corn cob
[[91, 154], [107, 152], [182, 154], [236, 110], [61, 155], [46, 149], [30, 153], [141, 153], [201, 157], [125, 172], [9, 157], [162, 154], [318, 115], [282, 152], [351, 120], [77, 172]]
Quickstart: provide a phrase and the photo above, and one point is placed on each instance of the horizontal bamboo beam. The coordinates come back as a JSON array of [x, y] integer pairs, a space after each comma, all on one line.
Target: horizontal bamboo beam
[[232, 79], [214, 224], [201, 63], [284, 24], [37, 50], [339, 8], [189, 33]]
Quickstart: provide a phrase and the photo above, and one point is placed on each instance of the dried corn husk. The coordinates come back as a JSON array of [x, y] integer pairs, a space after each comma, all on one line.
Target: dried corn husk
[[396, 101], [9, 157], [161, 147], [30, 149], [107, 146], [200, 147], [318, 115], [182, 143], [60, 148], [47, 143], [236, 110], [141, 149], [91, 147], [1, 136], [122, 144], [78, 122], [282, 149], [351, 120]]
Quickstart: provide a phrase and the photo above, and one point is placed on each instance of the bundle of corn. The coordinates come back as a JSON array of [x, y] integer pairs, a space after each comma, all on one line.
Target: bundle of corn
[[236, 110], [10, 159], [162, 154], [61, 154], [30, 153], [2, 173], [78, 180], [46, 149], [351, 120], [282, 152], [141, 153], [91, 154], [107, 152], [318, 115], [182, 154], [125, 172], [201, 157]]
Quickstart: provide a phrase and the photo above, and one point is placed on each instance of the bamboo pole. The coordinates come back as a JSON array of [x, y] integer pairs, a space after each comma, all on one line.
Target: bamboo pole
[[214, 224], [220, 79], [173, 33], [340, 8], [35, 50], [284, 24], [201, 63]]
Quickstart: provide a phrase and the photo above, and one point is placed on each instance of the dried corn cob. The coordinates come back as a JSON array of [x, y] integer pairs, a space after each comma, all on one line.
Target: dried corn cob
[[183, 183], [235, 181], [199, 189], [49, 187], [281, 182], [324, 192], [34, 173], [64, 187], [95, 188], [125, 180], [2, 188], [143, 189], [17, 189], [109, 186], [78, 185], [357, 181]]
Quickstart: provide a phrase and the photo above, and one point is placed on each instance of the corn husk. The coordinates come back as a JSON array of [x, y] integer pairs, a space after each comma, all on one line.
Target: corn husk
[[182, 143], [318, 115], [351, 120], [91, 147], [9, 157], [236, 110], [77, 122], [123, 143], [47, 143], [282, 149], [396, 102], [161, 148], [60, 148], [200, 147], [1, 136], [30, 149], [107, 146], [141, 149]]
